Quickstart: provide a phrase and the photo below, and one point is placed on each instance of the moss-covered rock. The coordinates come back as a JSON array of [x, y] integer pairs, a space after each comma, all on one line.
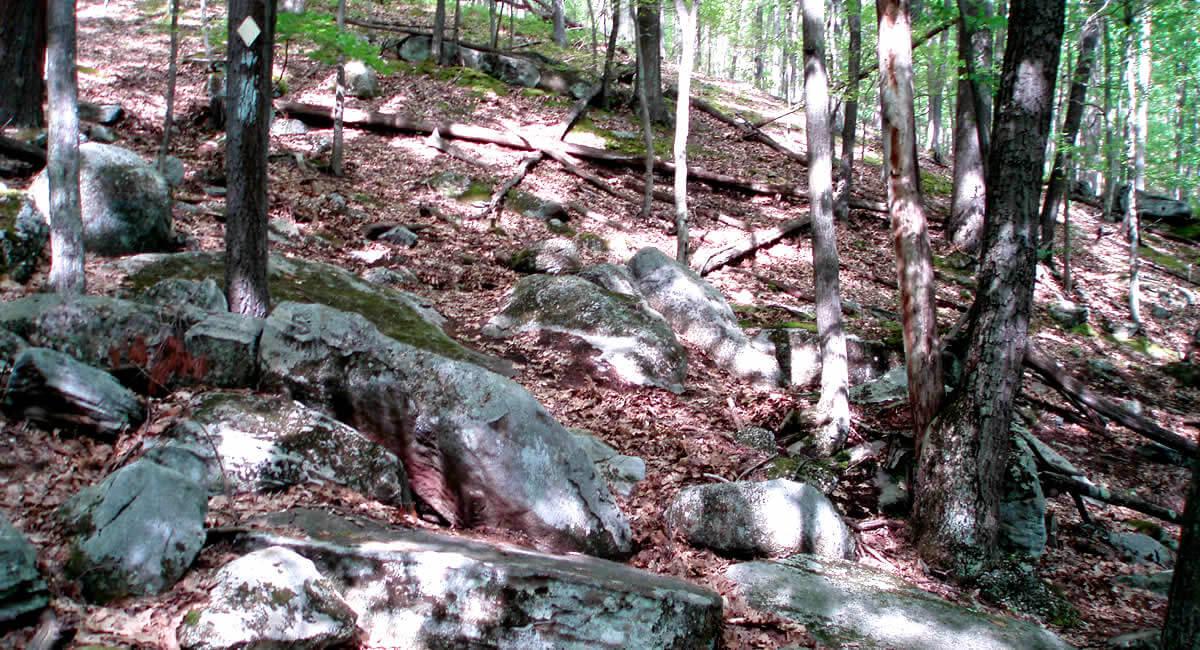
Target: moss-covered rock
[[1014, 586], [23, 235], [397, 314]]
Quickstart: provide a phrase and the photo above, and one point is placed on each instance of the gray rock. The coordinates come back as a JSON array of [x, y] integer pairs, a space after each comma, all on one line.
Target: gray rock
[[799, 353], [10, 346], [22, 590], [1139, 640], [634, 344], [756, 438], [272, 443], [414, 589], [136, 532], [225, 347], [23, 235], [101, 134], [106, 114], [512, 70], [478, 448], [415, 48], [382, 275], [1045, 453], [55, 390], [288, 126], [1102, 368], [272, 598], [397, 314], [892, 386], [756, 519], [401, 236], [843, 603], [700, 315], [534, 206], [361, 80], [623, 473], [124, 201], [1141, 549], [1022, 504], [613, 278], [1156, 582], [553, 256], [1013, 584], [201, 294]]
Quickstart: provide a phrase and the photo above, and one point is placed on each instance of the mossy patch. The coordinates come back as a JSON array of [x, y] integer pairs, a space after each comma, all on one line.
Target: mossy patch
[[192, 617], [1152, 349], [314, 282], [1085, 329], [936, 184]]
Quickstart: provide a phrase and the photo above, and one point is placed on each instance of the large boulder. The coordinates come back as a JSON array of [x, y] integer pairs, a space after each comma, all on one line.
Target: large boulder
[[55, 390], [125, 205], [361, 80], [553, 256], [634, 344], [397, 314], [135, 532], [843, 603], [248, 443], [22, 590], [478, 448], [755, 519], [799, 353], [23, 235], [414, 589], [271, 598], [1022, 503], [700, 315]]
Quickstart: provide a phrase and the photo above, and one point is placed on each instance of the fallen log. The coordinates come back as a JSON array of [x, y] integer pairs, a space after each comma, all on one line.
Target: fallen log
[[22, 151], [1057, 378], [1080, 487], [750, 131], [706, 261]]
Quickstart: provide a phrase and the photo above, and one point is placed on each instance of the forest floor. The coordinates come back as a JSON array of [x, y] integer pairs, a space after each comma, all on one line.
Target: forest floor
[[685, 439]]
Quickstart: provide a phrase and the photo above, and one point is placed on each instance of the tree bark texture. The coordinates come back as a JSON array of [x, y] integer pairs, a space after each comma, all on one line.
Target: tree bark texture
[[914, 259], [66, 221], [647, 135], [439, 31], [963, 457], [686, 12], [1139, 86], [247, 137], [606, 80], [972, 121], [172, 73], [1089, 38], [833, 408], [1182, 628], [22, 58], [841, 206], [560, 23], [337, 158], [649, 32]]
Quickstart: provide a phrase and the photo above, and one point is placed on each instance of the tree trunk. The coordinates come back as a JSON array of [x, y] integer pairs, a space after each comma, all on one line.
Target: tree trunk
[[914, 259], [972, 121], [686, 12], [439, 31], [339, 101], [833, 409], [1112, 118], [1181, 98], [850, 118], [936, 72], [606, 80], [1089, 37], [786, 38], [560, 23], [1139, 84], [1182, 628], [595, 44], [66, 221], [247, 137], [961, 466], [22, 58], [647, 136], [649, 28], [760, 46], [169, 120]]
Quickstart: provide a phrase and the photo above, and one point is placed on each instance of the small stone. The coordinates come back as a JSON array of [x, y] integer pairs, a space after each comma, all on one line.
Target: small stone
[[756, 438], [361, 80], [552, 256], [386, 276], [102, 134], [106, 114], [288, 126], [203, 294], [174, 171], [400, 236], [1069, 314]]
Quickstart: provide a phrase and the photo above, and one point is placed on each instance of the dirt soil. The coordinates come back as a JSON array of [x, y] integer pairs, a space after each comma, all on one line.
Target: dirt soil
[[685, 439]]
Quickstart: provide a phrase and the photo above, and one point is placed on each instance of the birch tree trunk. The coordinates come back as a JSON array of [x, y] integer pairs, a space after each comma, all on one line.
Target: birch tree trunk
[[339, 101], [250, 39], [686, 12], [833, 420], [962, 460], [972, 121], [914, 259], [1139, 84], [66, 221]]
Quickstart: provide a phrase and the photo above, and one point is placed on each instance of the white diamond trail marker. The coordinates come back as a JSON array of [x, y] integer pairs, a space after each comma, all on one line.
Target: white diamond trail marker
[[249, 31]]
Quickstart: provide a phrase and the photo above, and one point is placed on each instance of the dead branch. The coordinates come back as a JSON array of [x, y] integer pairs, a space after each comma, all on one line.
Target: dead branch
[[436, 141], [22, 151], [1057, 378], [1080, 487], [750, 131], [708, 260]]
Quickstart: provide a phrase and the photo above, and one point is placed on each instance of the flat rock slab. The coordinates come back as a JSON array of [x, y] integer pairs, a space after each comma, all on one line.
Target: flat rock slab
[[55, 390], [22, 590], [272, 598], [843, 603], [414, 589]]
